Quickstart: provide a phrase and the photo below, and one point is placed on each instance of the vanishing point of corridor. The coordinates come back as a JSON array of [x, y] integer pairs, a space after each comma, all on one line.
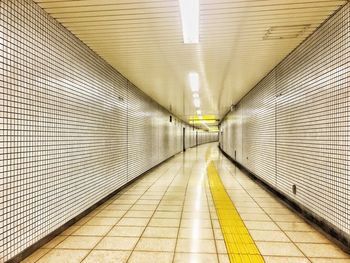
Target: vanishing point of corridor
[[168, 215]]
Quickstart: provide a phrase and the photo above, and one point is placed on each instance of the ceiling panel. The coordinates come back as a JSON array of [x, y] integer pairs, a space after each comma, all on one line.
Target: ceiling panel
[[238, 45]]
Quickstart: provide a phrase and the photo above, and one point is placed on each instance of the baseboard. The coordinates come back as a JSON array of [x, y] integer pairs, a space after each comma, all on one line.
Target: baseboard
[[334, 234]]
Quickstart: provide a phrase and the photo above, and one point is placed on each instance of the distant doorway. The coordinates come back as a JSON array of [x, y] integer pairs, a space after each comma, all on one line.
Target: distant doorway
[[183, 139]]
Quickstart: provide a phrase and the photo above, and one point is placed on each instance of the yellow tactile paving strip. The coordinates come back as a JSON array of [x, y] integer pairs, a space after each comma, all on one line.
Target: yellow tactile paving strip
[[239, 244]]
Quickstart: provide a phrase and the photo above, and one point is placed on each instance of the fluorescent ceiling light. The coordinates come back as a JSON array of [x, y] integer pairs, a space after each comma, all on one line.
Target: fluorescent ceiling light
[[194, 81], [190, 20], [197, 103], [195, 95], [199, 112]]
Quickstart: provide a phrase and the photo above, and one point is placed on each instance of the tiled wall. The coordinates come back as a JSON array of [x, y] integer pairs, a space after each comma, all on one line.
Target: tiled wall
[[295, 124], [72, 128]]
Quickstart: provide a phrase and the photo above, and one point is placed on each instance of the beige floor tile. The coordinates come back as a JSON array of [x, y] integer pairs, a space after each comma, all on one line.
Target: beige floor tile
[[223, 258], [63, 256], [133, 221], [215, 224], [126, 231], [147, 202], [69, 230], [162, 222], [123, 202], [165, 232], [170, 208], [307, 237], [79, 242], [269, 259], [111, 213], [151, 257], [82, 221], [278, 249], [248, 210], [260, 225], [329, 260], [266, 235], [196, 223], [218, 233], [117, 207], [278, 211], [144, 207], [36, 255], [254, 217], [221, 246], [286, 218], [136, 213], [106, 256], [196, 233], [163, 214], [294, 226], [196, 215], [156, 244], [322, 251], [195, 258], [170, 202], [54, 242], [195, 246], [92, 231], [117, 243], [102, 221]]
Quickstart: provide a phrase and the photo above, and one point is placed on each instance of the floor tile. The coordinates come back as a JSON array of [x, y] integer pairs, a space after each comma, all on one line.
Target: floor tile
[[92, 231], [111, 213], [63, 256], [278, 249], [165, 232], [126, 231], [196, 223], [117, 243], [224, 258], [269, 259], [307, 237], [107, 256], [135, 213], [195, 258], [156, 244], [36, 255], [260, 225], [151, 257], [196, 233], [79, 242], [102, 221], [294, 226], [322, 250], [54, 242], [162, 222], [329, 260], [133, 221], [221, 246], [199, 246], [267, 235], [69, 230]]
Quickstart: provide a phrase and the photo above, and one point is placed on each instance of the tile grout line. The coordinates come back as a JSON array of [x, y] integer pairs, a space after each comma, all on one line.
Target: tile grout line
[[182, 210], [155, 208], [123, 215]]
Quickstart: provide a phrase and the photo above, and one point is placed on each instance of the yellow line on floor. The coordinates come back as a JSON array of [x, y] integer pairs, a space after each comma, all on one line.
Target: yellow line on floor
[[239, 244]]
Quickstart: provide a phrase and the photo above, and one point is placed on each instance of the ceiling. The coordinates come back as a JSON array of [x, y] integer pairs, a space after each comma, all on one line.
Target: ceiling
[[240, 42]]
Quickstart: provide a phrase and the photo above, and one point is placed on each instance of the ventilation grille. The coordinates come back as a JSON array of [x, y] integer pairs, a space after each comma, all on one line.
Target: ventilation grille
[[285, 32]]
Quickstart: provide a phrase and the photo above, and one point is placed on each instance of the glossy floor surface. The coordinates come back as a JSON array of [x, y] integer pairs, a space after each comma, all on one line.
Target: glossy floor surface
[[168, 215]]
